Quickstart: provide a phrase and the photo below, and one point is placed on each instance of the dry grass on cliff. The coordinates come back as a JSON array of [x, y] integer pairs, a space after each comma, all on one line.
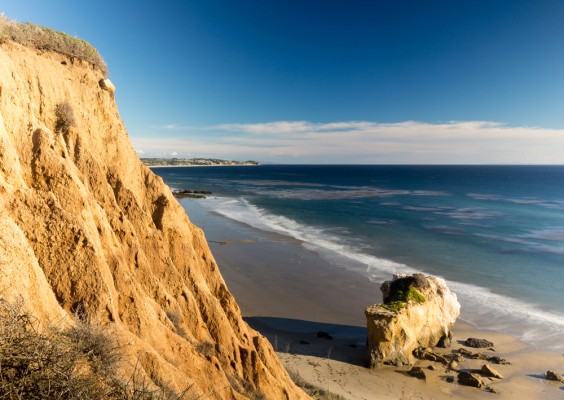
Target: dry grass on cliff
[[81, 362], [46, 39], [65, 117]]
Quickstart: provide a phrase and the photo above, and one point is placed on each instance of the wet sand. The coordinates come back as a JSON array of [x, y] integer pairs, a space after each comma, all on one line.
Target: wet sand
[[289, 293]]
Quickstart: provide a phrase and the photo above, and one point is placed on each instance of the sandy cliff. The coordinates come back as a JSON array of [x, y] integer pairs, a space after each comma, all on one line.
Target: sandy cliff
[[85, 226]]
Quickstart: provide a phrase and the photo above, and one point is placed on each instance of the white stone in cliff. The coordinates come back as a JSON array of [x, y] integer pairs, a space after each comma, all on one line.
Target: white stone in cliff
[[107, 85], [393, 335]]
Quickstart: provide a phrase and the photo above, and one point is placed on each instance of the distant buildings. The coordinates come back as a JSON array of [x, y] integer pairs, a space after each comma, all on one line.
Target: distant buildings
[[167, 162]]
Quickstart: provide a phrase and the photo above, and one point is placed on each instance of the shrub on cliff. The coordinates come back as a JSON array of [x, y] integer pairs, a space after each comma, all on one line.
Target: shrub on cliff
[[47, 39], [65, 117], [80, 362], [38, 364]]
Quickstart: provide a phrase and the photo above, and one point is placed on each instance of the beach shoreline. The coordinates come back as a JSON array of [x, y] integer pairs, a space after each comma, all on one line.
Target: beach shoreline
[[289, 293]]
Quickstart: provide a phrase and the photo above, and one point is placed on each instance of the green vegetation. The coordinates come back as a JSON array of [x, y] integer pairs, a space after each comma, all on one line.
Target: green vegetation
[[409, 294], [80, 362], [394, 306], [402, 292], [46, 39]]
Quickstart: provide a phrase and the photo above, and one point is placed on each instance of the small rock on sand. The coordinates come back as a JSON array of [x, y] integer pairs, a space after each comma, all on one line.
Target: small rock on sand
[[488, 370], [478, 343], [417, 372], [499, 360], [554, 376], [470, 379]]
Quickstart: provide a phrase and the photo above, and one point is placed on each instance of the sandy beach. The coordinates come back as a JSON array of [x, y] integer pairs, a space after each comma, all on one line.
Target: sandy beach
[[289, 293]]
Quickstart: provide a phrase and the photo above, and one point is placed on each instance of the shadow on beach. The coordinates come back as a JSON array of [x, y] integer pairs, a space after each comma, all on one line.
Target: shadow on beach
[[343, 343]]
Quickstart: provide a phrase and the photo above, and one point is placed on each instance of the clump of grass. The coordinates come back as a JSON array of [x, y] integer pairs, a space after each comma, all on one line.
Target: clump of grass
[[206, 349], [65, 117], [46, 39], [80, 362], [37, 364]]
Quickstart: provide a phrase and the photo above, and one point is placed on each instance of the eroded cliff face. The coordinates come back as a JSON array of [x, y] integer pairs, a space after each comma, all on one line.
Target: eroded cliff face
[[84, 225]]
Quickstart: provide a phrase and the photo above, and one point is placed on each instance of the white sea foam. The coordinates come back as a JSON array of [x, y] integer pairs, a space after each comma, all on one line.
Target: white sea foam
[[493, 311], [314, 238], [553, 234], [480, 305]]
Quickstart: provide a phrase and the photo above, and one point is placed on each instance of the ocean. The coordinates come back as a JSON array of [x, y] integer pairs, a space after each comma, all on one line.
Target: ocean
[[494, 233]]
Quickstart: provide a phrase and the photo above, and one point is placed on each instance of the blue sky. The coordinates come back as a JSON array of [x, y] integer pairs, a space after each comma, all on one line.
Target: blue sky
[[326, 81]]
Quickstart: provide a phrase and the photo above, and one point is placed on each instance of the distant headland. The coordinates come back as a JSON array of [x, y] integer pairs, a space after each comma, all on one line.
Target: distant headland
[[194, 162]]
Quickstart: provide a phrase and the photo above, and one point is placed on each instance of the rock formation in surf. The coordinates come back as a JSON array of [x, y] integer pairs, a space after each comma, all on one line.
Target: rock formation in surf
[[418, 311], [84, 225]]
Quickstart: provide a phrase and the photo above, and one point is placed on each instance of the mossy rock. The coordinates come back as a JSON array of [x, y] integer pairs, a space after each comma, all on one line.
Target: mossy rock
[[403, 292], [394, 306], [405, 295]]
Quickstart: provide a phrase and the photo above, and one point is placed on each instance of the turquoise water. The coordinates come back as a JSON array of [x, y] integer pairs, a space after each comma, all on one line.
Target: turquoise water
[[495, 233]]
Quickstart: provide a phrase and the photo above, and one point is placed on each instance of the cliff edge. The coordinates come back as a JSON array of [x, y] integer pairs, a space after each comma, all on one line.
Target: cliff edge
[[85, 226]]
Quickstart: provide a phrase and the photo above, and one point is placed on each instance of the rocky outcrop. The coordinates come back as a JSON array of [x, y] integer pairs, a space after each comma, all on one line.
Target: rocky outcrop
[[84, 225], [418, 311]]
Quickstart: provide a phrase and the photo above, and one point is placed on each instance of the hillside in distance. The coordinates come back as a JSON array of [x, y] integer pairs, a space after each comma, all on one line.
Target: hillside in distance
[[188, 162]]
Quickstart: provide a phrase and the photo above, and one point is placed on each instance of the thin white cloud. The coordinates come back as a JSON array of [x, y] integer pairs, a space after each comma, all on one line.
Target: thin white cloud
[[172, 127], [282, 127], [454, 142]]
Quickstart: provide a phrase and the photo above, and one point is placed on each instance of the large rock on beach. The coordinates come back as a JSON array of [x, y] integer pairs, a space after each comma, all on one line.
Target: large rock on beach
[[418, 311]]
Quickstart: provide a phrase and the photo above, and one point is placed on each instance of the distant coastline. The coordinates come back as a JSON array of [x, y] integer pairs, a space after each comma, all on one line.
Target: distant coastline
[[195, 162]]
